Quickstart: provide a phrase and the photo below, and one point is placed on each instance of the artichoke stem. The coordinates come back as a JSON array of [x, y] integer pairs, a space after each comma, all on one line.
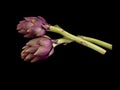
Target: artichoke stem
[[77, 39]]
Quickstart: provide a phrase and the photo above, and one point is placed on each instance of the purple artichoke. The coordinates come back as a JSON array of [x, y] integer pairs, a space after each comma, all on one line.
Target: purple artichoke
[[37, 49], [33, 27]]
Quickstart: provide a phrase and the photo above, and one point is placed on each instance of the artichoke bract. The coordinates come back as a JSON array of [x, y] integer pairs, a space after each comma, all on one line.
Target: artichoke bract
[[37, 49], [33, 27]]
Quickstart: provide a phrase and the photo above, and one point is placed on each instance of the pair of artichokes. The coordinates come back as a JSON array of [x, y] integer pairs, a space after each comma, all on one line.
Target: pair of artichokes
[[42, 46]]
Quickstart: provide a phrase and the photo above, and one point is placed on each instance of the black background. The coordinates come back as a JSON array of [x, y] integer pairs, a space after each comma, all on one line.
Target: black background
[[92, 20], [89, 20]]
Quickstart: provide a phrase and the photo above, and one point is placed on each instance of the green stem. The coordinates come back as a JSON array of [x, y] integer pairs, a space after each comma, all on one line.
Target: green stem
[[98, 42], [95, 41], [76, 39], [61, 41]]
